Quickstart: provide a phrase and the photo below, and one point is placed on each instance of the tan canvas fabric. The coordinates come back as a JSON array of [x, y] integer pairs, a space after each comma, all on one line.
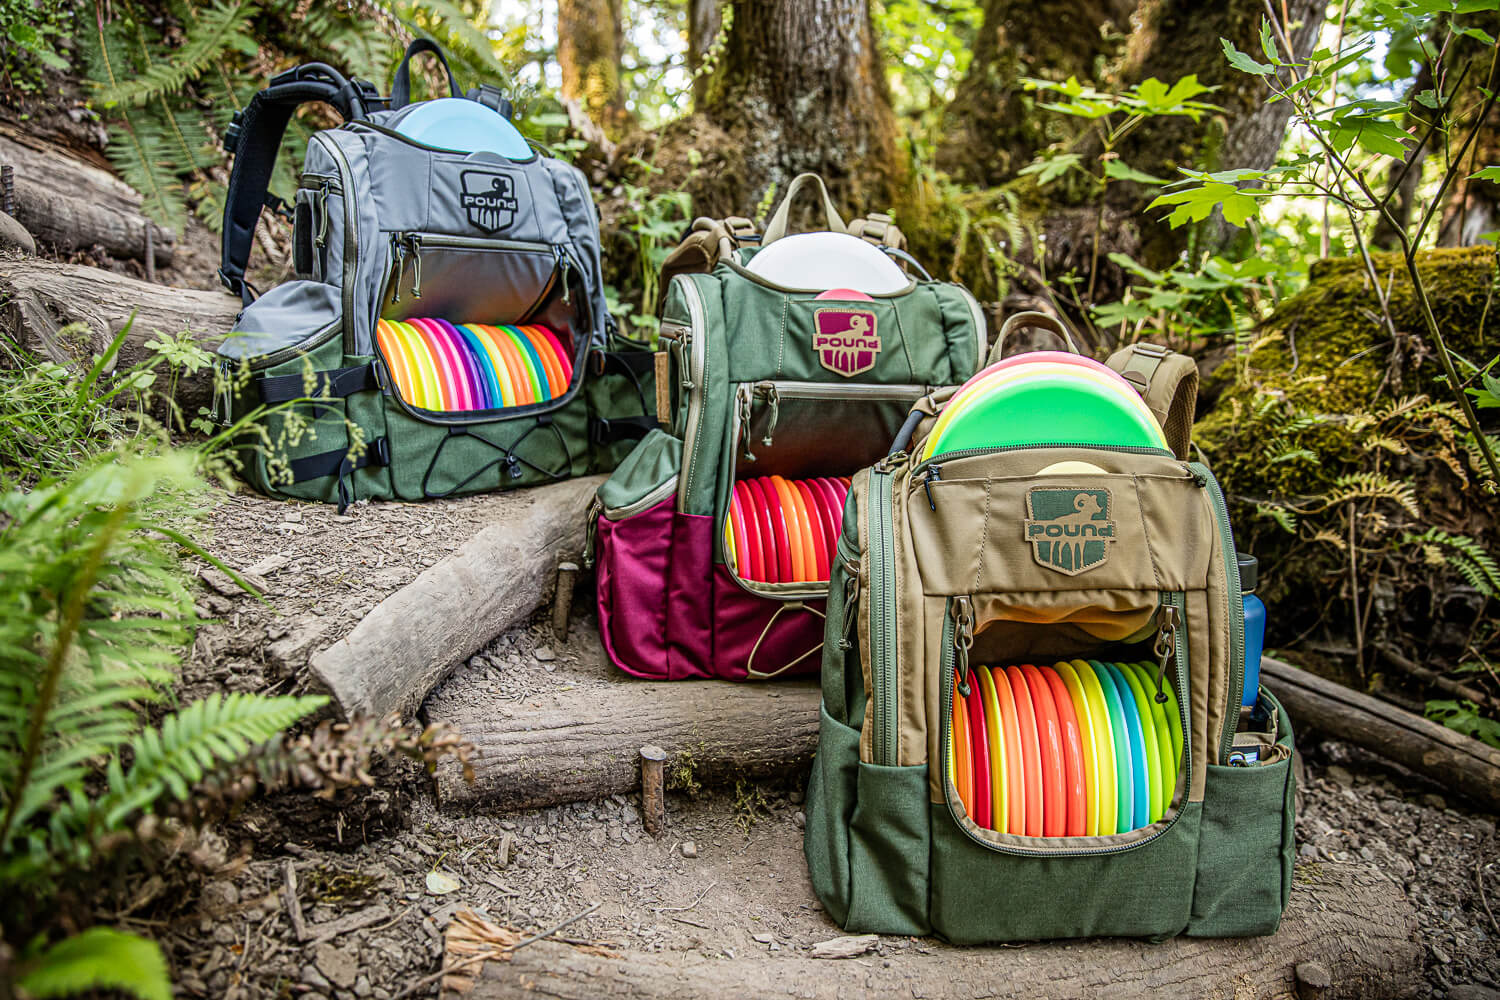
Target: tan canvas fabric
[[1168, 382]]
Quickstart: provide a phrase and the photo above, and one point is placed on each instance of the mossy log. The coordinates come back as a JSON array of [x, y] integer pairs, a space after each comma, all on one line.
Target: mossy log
[[1348, 923]]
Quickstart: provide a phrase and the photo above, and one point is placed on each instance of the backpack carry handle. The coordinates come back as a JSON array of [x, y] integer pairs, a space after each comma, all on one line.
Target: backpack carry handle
[[776, 228], [1031, 318], [401, 85]]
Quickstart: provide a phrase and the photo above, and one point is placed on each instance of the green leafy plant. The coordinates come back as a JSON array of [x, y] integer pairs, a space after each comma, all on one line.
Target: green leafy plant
[[657, 221], [1464, 717], [29, 33], [1353, 138]]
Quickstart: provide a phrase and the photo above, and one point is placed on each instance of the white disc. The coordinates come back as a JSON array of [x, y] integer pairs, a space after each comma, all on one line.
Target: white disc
[[1071, 468], [820, 261]]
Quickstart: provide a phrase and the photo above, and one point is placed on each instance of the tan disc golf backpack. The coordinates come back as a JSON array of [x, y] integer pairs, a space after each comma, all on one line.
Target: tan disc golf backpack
[[939, 576]]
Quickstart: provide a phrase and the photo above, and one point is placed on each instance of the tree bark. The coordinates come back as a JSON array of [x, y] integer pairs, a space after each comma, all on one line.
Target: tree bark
[[800, 86], [38, 299], [68, 205], [589, 41], [415, 637], [705, 18], [992, 127], [1349, 919], [1455, 761], [1473, 206], [584, 744]]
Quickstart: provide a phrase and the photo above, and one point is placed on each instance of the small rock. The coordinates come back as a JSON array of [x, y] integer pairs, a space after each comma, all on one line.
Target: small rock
[[689, 849], [362, 986], [13, 236], [1439, 954], [341, 967], [269, 564], [1308, 852], [294, 516], [1434, 801], [544, 654], [440, 884], [1424, 859], [763, 938], [795, 796], [312, 977], [800, 818], [1340, 776], [220, 895]]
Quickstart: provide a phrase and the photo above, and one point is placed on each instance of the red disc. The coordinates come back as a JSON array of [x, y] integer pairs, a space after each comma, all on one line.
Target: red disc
[[754, 566], [1031, 754], [785, 568], [736, 515], [979, 741], [832, 510], [765, 518], [822, 544], [1075, 779], [1049, 743]]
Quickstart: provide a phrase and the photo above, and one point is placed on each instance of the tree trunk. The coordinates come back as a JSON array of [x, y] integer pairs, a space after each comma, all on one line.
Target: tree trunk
[[588, 51], [992, 128], [1181, 37], [1473, 207], [1349, 920], [800, 86], [705, 18]]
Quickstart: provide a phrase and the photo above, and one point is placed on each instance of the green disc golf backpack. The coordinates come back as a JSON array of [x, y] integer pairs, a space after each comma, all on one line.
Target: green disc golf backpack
[[758, 381], [446, 331], [946, 579]]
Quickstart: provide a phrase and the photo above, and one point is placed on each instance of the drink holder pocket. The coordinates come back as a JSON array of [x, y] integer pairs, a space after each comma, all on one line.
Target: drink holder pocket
[[1245, 856]]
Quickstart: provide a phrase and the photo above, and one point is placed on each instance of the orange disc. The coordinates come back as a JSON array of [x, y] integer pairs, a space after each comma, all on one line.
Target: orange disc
[[796, 530], [962, 749]]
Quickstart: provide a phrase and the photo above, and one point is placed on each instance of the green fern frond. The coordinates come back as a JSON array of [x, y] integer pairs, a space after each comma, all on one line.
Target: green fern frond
[[1463, 554], [1376, 486], [215, 731], [100, 958], [219, 29], [1283, 517], [466, 42], [139, 152]]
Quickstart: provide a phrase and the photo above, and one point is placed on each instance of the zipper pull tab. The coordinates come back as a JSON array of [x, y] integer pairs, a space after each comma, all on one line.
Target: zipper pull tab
[[399, 250], [416, 265], [851, 591], [595, 509], [564, 265], [773, 400], [963, 640], [932, 472], [1167, 620], [744, 408], [321, 240]]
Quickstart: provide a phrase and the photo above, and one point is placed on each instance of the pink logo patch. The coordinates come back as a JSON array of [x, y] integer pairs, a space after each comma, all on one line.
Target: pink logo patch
[[846, 341]]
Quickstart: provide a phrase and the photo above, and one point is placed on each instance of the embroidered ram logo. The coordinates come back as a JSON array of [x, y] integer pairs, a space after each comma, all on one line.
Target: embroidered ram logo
[[1069, 529]]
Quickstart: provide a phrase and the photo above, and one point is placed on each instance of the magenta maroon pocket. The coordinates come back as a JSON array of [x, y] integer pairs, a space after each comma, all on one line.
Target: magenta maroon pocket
[[759, 637], [632, 560]]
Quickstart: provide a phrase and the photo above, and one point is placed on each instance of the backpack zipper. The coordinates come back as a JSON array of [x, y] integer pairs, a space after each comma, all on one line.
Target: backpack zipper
[[1236, 609], [696, 383], [885, 724]]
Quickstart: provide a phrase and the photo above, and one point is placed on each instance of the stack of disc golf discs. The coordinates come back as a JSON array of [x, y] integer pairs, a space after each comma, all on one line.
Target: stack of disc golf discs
[[454, 368], [784, 530]]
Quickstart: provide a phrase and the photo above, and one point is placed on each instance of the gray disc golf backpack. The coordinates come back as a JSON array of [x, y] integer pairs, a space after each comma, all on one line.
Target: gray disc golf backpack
[[496, 258]]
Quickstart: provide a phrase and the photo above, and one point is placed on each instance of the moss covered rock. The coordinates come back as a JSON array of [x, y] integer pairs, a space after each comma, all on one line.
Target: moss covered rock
[[1339, 411]]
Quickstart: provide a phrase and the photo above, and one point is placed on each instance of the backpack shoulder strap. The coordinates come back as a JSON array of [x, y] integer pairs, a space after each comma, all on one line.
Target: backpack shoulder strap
[[253, 139], [1168, 382], [705, 243], [878, 229]]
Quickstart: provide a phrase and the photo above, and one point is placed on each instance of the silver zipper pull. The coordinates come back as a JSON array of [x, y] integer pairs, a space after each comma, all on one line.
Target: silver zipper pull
[[322, 238], [963, 640], [416, 265], [595, 509], [744, 405], [399, 249], [1167, 620], [773, 400], [564, 264], [851, 592]]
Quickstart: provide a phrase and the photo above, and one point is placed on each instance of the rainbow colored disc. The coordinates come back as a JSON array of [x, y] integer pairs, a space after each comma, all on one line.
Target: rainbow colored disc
[[1115, 387], [1170, 710], [495, 362], [1130, 773], [551, 370], [535, 370], [542, 335], [1104, 747], [521, 384], [431, 396], [1058, 406], [995, 733], [450, 367], [484, 363], [395, 359], [1156, 807], [1087, 745]]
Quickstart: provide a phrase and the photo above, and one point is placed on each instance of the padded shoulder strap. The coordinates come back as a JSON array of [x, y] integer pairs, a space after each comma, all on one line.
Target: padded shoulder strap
[[254, 137], [879, 229], [1168, 382], [705, 243]]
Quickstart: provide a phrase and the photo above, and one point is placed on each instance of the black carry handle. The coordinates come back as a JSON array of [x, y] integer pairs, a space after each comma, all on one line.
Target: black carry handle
[[903, 436], [401, 85]]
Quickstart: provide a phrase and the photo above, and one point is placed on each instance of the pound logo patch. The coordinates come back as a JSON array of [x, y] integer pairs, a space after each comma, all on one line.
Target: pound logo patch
[[1070, 530], [489, 199], [846, 340]]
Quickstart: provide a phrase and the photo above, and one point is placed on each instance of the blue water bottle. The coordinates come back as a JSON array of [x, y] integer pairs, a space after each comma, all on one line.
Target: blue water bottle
[[1255, 628]]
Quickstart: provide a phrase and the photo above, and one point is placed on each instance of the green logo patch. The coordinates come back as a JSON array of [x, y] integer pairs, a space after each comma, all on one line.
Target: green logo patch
[[1070, 530]]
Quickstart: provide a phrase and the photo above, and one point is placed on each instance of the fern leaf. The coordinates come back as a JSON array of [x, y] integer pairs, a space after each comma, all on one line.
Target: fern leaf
[[215, 731], [100, 958], [1463, 554], [139, 152], [221, 28], [1373, 485]]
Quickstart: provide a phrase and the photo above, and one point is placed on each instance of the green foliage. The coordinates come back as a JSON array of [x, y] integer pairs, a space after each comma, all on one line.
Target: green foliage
[[29, 33], [99, 959], [1464, 717], [1462, 554], [657, 221]]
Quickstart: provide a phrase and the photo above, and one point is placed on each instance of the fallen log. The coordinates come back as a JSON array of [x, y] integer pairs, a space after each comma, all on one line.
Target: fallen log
[[72, 205], [585, 743], [1347, 919], [411, 640], [38, 299], [1453, 760]]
